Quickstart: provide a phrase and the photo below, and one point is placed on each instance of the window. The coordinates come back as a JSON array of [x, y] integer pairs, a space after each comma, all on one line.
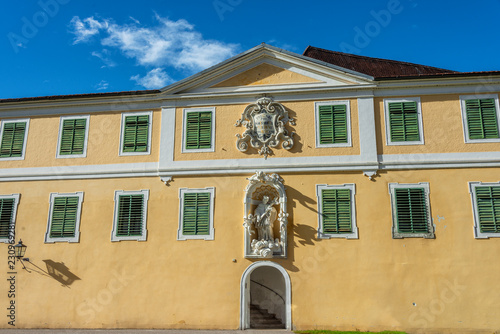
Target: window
[[198, 130], [136, 133], [336, 211], [333, 124], [480, 114], [130, 215], [403, 121], [486, 209], [8, 210], [14, 134], [73, 136], [64, 217], [196, 214], [411, 215]]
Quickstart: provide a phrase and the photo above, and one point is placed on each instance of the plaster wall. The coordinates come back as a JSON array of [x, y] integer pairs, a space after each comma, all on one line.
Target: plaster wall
[[371, 283], [304, 138], [443, 128], [103, 142], [265, 74]]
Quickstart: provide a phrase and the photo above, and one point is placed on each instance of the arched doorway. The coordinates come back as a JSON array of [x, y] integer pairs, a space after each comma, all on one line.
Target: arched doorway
[[265, 289]]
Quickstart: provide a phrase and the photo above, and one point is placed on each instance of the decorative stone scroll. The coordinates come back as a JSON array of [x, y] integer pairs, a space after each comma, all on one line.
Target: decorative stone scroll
[[266, 217], [265, 127]]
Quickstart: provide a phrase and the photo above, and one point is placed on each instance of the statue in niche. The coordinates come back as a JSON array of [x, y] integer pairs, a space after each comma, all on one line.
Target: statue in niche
[[266, 217]]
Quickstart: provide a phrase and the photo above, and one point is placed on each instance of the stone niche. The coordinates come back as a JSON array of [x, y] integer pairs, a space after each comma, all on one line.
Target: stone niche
[[266, 217]]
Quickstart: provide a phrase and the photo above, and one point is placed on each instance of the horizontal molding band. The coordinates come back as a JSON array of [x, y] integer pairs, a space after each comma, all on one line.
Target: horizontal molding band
[[104, 105], [259, 163], [248, 166], [80, 172], [439, 158]]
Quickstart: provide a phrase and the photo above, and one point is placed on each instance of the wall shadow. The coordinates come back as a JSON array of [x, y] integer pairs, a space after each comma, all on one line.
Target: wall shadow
[[298, 233], [297, 143], [55, 270], [61, 273]]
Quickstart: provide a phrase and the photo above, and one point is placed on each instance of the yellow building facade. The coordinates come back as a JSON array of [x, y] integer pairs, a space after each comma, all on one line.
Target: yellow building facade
[[273, 190]]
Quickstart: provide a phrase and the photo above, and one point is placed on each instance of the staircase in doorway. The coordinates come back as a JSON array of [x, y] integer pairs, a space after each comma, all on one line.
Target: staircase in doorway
[[261, 319]]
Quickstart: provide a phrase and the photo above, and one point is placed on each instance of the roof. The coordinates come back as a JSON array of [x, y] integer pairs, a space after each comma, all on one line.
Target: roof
[[76, 96], [376, 67]]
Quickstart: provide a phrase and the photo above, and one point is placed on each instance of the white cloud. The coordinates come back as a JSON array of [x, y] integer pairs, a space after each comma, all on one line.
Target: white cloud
[[167, 44], [281, 45], [134, 19], [86, 28], [104, 57], [102, 85], [154, 79]]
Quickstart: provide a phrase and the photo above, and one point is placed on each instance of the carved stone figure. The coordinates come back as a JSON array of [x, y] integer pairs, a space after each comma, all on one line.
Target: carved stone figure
[[265, 215], [264, 194]]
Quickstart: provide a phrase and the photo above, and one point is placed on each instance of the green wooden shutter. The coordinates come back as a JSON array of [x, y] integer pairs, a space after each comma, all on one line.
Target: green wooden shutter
[[73, 136], [411, 210], [12, 140], [135, 134], [336, 206], [6, 211], [403, 121], [488, 204], [333, 124], [64, 216], [199, 130], [196, 214], [130, 215], [481, 118]]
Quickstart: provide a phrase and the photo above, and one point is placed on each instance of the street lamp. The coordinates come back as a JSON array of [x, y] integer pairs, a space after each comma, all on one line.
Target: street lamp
[[20, 249]]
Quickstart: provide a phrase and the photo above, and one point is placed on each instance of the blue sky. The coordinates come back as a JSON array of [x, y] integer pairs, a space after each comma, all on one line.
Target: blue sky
[[58, 47]]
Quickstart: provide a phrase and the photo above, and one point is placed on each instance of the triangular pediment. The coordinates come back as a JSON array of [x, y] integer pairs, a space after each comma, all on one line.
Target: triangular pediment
[[265, 74], [267, 68]]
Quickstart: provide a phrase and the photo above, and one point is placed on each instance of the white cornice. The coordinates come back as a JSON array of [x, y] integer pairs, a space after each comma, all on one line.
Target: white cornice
[[255, 56], [80, 172], [78, 105], [356, 163]]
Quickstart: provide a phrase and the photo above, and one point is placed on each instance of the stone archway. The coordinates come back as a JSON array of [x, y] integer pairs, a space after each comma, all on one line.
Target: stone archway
[[269, 285]]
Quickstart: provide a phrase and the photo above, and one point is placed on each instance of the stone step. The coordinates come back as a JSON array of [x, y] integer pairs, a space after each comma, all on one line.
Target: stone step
[[267, 326], [262, 319]]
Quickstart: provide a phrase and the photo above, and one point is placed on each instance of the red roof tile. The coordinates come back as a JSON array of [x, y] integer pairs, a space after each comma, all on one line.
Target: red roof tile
[[375, 67]]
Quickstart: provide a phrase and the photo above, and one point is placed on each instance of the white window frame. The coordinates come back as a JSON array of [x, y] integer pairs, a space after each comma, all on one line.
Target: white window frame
[[431, 227], [211, 233], [144, 231], [463, 108], [475, 213], [122, 132], [85, 140], [389, 142], [27, 121], [76, 238], [11, 238], [354, 227], [184, 123], [347, 103]]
